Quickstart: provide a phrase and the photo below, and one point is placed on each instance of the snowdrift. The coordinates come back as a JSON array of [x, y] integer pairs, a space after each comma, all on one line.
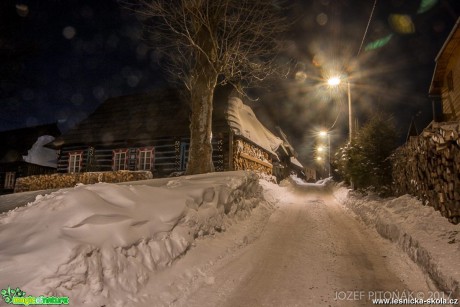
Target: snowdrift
[[428, 238], [100, 244]]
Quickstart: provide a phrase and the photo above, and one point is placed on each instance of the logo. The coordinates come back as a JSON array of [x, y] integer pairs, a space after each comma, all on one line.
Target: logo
[[18, 297]]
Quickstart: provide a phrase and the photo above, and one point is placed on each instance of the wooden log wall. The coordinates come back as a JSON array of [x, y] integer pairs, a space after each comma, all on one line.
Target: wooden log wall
[[428, 167], [250, 157]]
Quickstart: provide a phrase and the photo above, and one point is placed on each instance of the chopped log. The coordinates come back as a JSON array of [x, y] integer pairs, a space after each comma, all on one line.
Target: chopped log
[[428, 167]]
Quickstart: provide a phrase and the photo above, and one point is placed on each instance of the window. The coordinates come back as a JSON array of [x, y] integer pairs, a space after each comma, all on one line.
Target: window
[[145, 158], [120, 160], [9, 180], [75, 159]]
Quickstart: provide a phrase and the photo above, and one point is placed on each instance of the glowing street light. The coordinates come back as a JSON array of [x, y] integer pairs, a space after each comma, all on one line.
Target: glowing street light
[[335, 81]]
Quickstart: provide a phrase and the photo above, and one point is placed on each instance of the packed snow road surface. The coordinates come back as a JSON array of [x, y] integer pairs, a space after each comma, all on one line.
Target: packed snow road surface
[[312, 252]]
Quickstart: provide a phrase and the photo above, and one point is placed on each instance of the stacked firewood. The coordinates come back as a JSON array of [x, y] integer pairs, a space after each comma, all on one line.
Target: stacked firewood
[[249, 157], [428, 167], [57, 181]]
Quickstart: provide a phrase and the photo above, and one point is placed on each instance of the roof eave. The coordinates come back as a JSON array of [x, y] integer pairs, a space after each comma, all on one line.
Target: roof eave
[[448, 40]]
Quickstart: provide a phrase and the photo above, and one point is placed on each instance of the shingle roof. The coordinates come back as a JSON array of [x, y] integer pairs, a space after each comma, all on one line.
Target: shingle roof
[[161, 113], [15, 143], [158, 114]]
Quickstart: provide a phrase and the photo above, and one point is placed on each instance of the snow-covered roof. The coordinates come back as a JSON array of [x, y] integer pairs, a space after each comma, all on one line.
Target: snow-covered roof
[[15, 143], [40, 155], [296, 162], [244, 122]]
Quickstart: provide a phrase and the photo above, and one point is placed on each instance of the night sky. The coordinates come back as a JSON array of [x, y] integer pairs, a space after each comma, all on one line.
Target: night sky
[[60, 59]]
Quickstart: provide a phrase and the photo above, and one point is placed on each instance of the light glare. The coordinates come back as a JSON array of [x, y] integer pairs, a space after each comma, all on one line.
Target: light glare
[[333, 81]]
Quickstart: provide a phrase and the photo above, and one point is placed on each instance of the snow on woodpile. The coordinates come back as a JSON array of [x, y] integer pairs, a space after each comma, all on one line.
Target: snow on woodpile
[[244, 123], [100, 244], [41, 155]]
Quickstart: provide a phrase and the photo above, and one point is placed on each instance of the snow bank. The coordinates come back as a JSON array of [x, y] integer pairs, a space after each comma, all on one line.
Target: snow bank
[[428, 238], [100, 244], [41, 155]]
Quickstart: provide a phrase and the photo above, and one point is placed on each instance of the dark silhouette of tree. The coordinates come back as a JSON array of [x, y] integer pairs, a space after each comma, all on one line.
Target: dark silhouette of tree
[[365, 160], [203, 43]]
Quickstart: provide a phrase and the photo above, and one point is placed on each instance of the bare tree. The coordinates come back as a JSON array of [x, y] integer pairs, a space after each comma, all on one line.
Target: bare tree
[[211, 42]]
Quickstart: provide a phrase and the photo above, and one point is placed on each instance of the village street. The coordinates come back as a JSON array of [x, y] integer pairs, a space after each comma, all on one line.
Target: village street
[[297, 246], [312, 252]]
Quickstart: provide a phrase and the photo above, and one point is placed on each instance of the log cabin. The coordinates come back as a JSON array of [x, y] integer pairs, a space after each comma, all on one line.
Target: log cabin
[[445, 84], [151, 132], [15, 158]]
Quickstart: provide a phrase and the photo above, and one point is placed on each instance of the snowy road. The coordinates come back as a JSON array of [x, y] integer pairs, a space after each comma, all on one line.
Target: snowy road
[[310, 251]]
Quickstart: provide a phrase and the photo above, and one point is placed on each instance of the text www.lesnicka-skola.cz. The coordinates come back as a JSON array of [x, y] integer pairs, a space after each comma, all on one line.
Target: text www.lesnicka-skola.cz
[[430, 301], [397, 297]]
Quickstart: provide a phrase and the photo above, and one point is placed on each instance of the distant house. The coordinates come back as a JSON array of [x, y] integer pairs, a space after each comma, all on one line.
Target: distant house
[[151, 132], [310, 174], [289, 163], [22, 154], [446, 77]]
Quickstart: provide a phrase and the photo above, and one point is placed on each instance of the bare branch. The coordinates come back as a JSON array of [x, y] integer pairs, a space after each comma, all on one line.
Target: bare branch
[[237, 38]]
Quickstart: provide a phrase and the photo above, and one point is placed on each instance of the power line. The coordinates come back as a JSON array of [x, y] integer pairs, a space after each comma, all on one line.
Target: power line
[[367, 28]]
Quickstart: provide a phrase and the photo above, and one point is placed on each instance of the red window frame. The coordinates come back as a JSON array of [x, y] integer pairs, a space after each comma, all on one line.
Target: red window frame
[[116, 152], [141, 165], [76, 166]]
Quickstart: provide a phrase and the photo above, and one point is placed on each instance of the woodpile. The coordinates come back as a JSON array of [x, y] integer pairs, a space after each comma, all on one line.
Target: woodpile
[[57, 181], [247, 156], [428, 167]]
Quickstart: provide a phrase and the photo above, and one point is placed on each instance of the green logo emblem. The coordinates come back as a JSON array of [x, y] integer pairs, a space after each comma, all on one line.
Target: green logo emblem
[[18, 297]]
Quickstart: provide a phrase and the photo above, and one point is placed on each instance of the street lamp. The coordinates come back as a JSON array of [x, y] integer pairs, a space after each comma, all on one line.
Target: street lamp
[[335, 81], [324, 133]]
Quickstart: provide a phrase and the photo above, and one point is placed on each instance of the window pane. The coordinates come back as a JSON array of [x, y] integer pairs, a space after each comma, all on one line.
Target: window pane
[[119, 159], [9, 180], [74, 162], [144, 159]]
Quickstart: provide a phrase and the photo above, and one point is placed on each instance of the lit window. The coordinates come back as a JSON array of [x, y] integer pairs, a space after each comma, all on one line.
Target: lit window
[[120, 160], [75, 159], [9, 180], [145, 158]]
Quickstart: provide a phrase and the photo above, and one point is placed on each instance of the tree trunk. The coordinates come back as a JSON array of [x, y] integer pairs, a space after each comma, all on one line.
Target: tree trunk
[[200, 151], [202, 92]]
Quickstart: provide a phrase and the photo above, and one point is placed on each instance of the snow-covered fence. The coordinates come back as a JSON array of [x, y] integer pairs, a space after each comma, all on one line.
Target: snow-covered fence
[[57, 181], [428, 167]]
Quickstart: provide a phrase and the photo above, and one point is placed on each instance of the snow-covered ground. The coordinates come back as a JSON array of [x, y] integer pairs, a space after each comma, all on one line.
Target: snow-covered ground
[[101, 244], [427, 237], [159, 242]]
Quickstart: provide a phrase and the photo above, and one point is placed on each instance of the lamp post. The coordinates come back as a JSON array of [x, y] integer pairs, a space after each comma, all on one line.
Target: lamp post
[[335, 81], [327, 134]]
